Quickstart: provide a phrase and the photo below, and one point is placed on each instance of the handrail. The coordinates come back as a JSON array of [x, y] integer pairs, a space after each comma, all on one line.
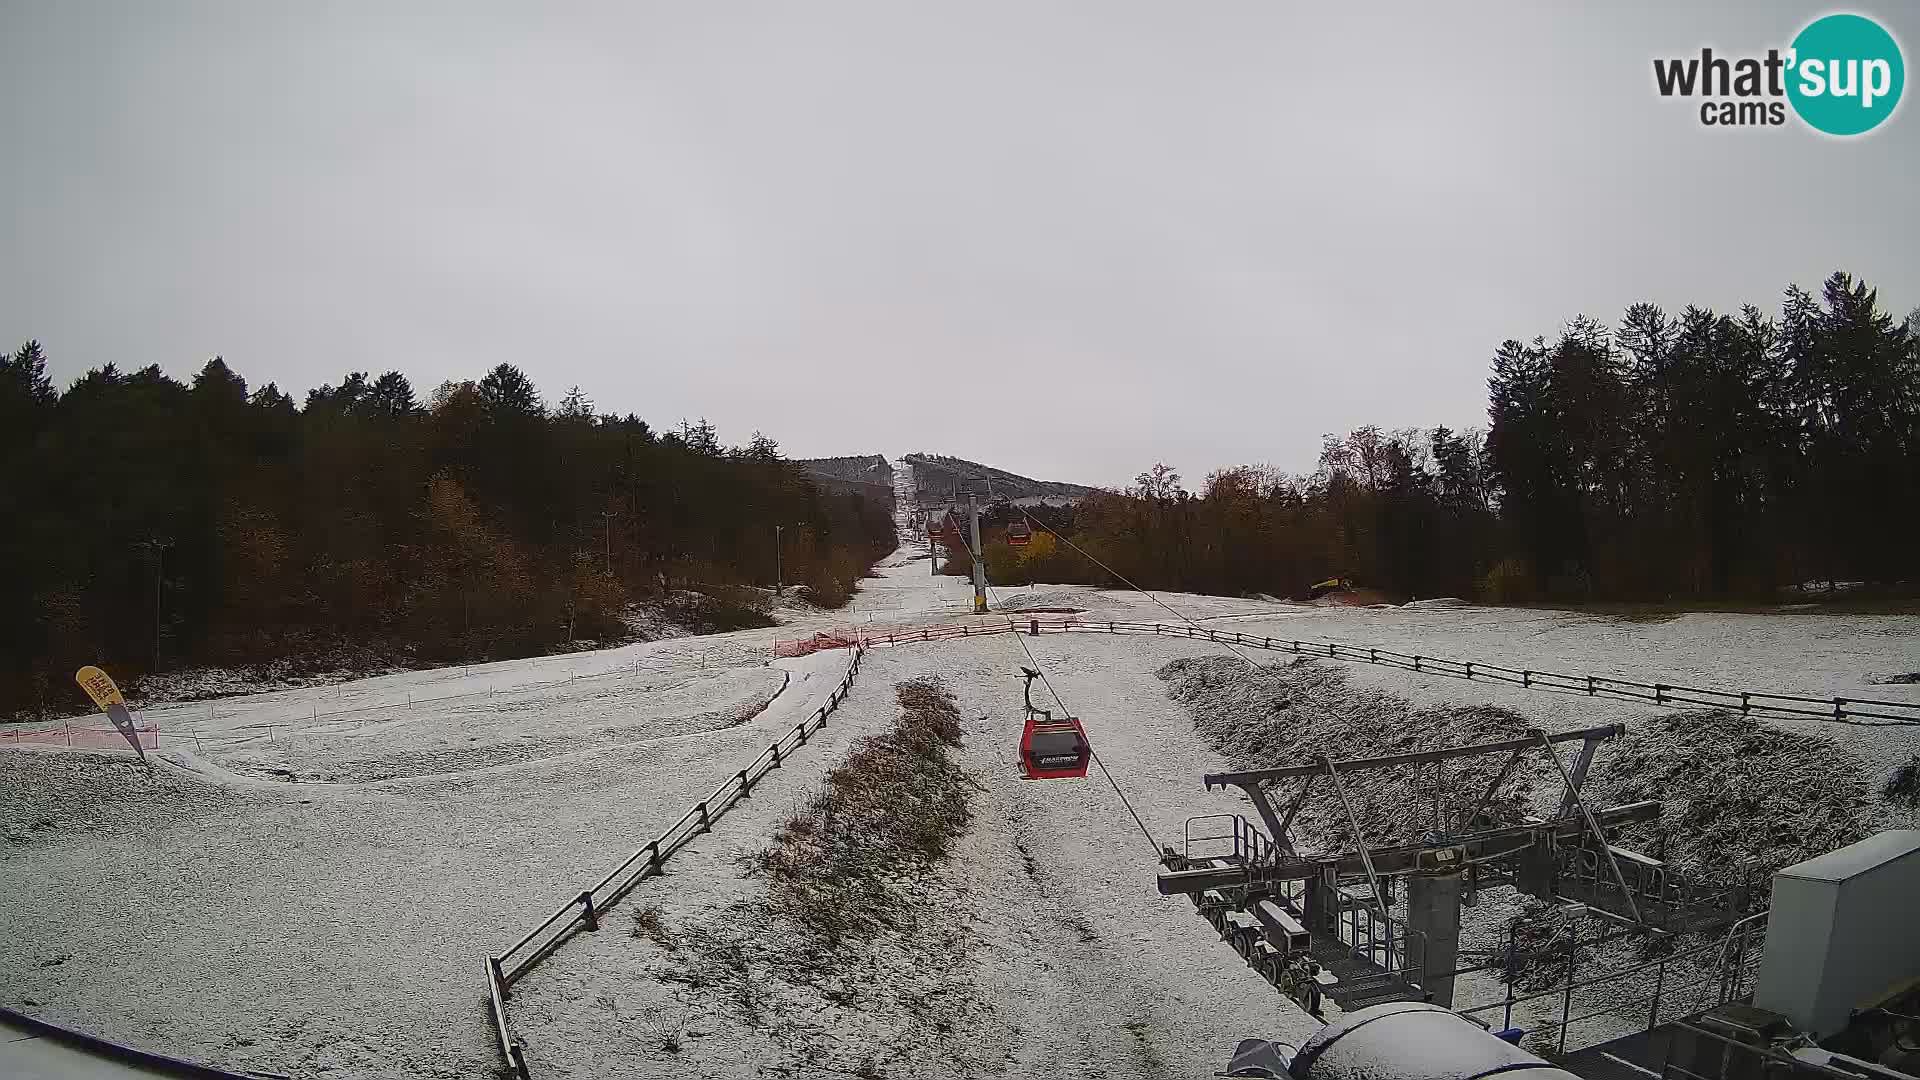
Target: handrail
[[587, 906], [1845, 710]]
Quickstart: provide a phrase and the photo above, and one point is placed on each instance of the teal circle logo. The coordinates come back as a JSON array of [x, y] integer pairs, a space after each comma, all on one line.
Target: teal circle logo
[[1846, 74]]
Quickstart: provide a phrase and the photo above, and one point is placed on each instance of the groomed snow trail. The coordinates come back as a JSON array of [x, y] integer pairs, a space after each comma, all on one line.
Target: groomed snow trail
[[1056, 954], [337, 928]]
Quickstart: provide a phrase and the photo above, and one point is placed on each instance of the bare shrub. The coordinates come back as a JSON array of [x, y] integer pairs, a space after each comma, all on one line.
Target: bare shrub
[[894, 806], [651, 923], [1903, 787]]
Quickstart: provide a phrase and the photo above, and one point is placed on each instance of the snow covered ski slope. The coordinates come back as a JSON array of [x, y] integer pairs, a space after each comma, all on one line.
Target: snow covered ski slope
[[305, 882]]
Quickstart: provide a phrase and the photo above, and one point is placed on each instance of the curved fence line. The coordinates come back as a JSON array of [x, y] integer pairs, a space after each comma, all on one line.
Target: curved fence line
[[1863, 712], [312, 720], [585, 909], [312, 712]]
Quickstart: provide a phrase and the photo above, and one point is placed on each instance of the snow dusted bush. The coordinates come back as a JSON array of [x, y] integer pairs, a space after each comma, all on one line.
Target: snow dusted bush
[[1294, 713], [893, 807], [1902, 789], [1743, 798]]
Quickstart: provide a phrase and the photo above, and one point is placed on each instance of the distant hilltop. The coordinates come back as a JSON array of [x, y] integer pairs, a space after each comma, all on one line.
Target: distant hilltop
[[869, 474], [936, 478]]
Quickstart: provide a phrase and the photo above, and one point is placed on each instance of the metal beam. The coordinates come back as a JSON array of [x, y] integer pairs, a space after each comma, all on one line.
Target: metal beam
[[1299, 801], [1359, 841], [1480, 847], [1492, 789], [1579, 775], [1257, 795], [1255, 776], [1600, 838]]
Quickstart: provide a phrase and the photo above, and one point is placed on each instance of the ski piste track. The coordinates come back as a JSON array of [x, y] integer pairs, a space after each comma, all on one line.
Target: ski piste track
[[587, 909]]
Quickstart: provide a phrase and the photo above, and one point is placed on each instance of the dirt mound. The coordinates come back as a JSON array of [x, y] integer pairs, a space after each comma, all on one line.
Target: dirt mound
[[1292, 713], [850, 956], [1035, 601], [1359, 597], [1742, 798]]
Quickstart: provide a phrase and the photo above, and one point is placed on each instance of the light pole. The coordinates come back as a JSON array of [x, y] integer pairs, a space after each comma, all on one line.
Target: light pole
[[609, 515], [979, 557], [159, 547], [779, 579]]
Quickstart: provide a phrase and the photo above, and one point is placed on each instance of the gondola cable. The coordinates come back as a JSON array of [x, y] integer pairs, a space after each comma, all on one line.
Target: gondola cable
[[1094, 754], [1123, 580], [1038, 668]]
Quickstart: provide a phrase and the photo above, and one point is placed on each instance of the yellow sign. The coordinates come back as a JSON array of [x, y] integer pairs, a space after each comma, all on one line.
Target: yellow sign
[[99, 686]]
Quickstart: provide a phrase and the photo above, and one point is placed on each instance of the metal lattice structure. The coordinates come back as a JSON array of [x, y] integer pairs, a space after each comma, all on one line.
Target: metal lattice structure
[[1323, 925]]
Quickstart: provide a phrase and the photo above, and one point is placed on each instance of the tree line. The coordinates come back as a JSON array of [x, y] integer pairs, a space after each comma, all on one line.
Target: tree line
[[1687, 457], [154, 523]]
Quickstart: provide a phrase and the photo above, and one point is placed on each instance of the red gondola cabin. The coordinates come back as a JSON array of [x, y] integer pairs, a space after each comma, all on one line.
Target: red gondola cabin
[[1054, 749], [1018, 533]]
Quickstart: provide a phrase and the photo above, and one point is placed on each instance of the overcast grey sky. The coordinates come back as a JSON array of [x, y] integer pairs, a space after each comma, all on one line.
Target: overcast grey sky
[[1197, 233]]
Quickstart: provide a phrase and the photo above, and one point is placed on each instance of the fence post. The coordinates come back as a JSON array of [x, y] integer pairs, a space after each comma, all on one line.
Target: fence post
[[1838, 711], [499, 975], [746, 789], [1659, 982], [776, 756], [706, 823], [1745, 701], [1416, 661], [1659, 693], [1033, 627], [1589, 686], [587, 914], [1566, 1001], [1506, 1023], [1526, 678]]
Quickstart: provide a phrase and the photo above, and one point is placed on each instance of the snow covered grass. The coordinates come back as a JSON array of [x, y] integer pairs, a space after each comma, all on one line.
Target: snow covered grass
[[307, 927], [893, 807], [1038, 946]]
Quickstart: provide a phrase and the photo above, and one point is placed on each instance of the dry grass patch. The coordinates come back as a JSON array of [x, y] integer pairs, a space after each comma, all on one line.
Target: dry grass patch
[[887, 812]]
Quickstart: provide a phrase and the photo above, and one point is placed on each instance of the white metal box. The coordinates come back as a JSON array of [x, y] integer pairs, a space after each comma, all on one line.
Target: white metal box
[[1844, 933]]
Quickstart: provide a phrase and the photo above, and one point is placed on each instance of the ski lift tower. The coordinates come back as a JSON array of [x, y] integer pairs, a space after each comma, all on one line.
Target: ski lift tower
[[975, 491]]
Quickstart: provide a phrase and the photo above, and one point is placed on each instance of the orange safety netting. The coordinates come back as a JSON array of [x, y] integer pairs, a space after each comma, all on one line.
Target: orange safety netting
[[807, 646]]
